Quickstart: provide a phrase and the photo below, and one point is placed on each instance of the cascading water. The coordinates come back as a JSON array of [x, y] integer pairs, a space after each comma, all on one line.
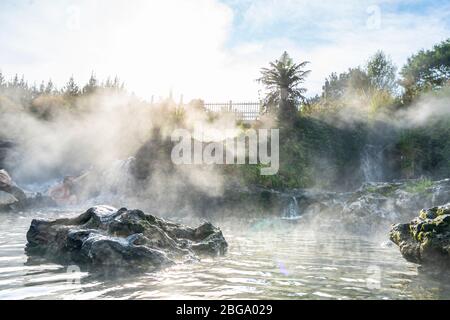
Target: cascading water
[[113, 183], [372, 163], [292, 212], [117, 177]]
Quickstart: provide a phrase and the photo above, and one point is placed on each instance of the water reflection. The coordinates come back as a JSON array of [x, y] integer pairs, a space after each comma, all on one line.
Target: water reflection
[[266, 260]]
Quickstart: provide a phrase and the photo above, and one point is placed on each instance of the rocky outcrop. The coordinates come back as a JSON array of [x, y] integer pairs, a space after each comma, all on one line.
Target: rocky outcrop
[[375, 206], [32, 201], [426, 239], [106, 237]]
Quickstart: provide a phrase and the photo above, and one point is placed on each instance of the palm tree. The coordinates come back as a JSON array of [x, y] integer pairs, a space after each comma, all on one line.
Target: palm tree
[[282, 81]]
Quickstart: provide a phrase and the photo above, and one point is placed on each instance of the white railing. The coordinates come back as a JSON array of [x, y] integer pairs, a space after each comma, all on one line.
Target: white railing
[[244, 111]]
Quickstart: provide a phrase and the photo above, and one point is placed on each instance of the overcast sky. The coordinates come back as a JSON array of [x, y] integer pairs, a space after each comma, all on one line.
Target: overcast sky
[[207, 49]]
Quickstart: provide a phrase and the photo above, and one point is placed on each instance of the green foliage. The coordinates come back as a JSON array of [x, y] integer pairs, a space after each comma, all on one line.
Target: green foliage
[[426, 70], [91, 86], [47, 101], [71, 89], [384, 190], [380, 100], [355, 80], [323, 148], [312, 153], [425, 150], [374, 85], [382, 72], [50, 88], [320, 145], [419, 186], [283, 81]]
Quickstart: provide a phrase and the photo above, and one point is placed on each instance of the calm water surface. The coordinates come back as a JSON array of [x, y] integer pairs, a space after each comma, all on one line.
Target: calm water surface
[[265, 261]]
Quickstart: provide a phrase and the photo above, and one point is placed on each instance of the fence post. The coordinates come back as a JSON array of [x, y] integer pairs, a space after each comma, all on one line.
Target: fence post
[[230, 106]]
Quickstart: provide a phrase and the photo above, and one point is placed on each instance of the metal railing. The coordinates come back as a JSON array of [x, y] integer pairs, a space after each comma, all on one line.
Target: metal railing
[[244, 111]]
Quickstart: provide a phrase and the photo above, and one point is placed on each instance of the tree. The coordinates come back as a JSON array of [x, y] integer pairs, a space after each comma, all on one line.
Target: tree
[[34, 91], [50, 88], [15, 82], [336, 87], [114, 85], [71, 89], [108, 84], [117, 85], [23, 84], [426, 70], [91, 86], [2, 80], [282, 81], [382, 72], [42, 88]]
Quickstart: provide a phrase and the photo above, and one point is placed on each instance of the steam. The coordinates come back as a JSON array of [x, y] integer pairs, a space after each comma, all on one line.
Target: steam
[[430, 107], [361, 107], [95, 132], [100, 129]]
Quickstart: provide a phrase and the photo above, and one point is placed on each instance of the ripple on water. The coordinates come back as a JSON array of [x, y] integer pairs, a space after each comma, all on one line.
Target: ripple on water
[[272, 264]]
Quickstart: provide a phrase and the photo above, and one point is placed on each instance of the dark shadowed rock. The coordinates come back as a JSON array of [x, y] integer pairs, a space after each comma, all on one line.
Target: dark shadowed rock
[[426, 239], [104, 236]]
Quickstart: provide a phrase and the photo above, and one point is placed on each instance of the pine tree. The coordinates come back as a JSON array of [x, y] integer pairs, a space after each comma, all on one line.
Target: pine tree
[[15, 82], [34, 91], [116, 83], [91, 86], [42, 88], [50, 88], [108, 83], [71, 89], [23, 84], [2, 80]]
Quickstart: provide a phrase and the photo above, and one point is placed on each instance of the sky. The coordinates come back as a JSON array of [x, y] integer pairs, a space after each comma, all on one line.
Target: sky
[[208, 49]]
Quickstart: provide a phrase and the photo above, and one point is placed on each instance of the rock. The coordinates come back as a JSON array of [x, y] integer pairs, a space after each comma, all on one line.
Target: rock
[[104, 236], [426, 239], [32, 201], [7, 185]]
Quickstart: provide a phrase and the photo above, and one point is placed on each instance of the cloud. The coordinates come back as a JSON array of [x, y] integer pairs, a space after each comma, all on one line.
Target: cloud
[[152, 45], [207, 48], [334, 36]]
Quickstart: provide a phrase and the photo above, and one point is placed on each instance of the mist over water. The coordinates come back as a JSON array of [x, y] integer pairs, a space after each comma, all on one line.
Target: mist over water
[[266, 260]]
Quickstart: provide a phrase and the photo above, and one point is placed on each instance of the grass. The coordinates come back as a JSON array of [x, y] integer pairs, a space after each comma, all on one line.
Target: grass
[[419, 186]]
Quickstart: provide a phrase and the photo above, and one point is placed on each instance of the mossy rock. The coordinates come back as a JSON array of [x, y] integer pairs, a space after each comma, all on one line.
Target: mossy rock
[[426, 239]]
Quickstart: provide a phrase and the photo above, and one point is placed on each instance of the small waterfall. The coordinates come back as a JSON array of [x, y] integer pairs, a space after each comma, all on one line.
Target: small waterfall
[[372, 163], [292, 212], [115, 180]]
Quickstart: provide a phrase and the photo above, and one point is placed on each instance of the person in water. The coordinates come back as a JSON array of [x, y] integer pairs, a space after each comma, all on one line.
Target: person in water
[[64, 193]]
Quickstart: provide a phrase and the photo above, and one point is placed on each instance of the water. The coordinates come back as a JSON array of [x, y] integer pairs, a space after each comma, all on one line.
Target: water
[[267, 259], [371, 163], [292, 211]]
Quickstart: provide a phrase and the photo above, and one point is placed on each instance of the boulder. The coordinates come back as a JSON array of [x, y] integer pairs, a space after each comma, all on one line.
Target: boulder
[[426, 239], [32, 201], [106, 237]]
